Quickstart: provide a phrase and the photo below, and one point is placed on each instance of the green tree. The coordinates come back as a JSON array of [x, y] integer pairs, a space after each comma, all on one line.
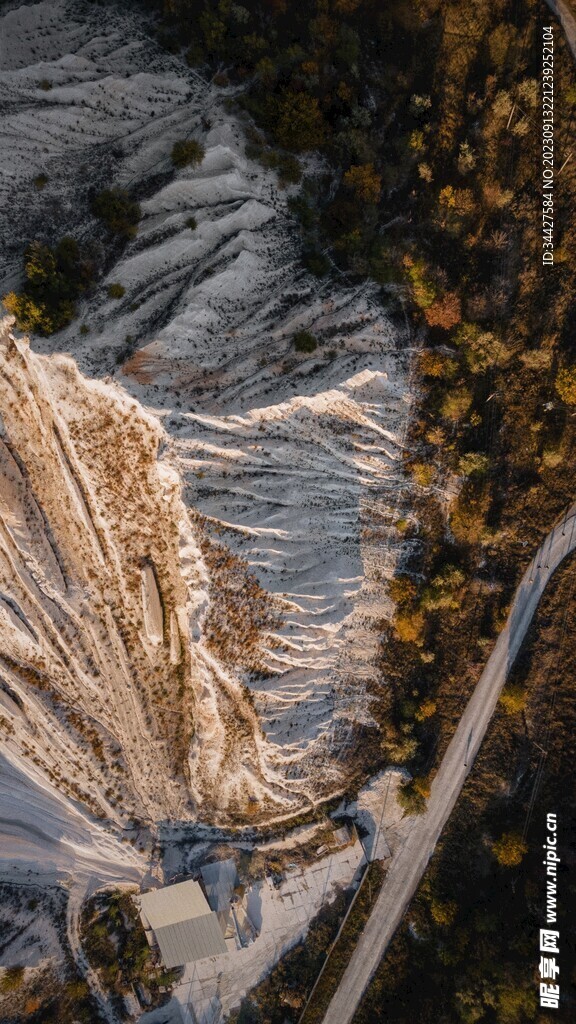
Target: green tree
[[54, 279]]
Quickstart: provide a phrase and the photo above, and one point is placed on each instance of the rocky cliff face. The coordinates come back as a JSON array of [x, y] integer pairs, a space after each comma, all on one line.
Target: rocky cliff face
[[197, 526]]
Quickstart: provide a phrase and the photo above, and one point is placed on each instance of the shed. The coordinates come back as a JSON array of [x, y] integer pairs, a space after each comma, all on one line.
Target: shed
[[182, 923]]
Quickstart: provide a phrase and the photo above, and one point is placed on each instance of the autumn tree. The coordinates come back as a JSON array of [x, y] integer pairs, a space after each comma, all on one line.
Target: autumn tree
[[365, 182], [443, 912], [409, 627], [513, 699], [445, 312], [433, 363], [456, 404], [509, 849], [411, 798], [565, 384]]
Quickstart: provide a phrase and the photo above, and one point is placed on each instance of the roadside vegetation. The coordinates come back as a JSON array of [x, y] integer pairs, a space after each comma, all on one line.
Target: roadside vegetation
[[467, 952], [281, 997]]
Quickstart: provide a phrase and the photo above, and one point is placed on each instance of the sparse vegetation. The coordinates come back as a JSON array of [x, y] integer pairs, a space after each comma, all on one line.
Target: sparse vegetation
[[281, 997]]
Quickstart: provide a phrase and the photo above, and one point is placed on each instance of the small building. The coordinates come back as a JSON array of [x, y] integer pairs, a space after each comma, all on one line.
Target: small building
[[180, 921]]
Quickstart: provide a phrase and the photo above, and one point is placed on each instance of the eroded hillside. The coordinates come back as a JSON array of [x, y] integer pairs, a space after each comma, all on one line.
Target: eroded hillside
[[199, 628]]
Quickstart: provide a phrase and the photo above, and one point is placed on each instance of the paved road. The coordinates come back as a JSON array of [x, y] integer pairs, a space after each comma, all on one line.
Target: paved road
[[410, 862]]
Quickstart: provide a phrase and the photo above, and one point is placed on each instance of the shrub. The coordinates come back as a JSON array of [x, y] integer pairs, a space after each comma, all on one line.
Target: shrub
[[513, 699], [410, 798], [118, 211], [304, 341], [40, 181], [12, 979], [191, 223], [45, 85], [187, 153], [116, 291]]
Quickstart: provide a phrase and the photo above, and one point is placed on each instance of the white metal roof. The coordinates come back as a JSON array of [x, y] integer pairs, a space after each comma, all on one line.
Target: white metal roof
[[184, 926]]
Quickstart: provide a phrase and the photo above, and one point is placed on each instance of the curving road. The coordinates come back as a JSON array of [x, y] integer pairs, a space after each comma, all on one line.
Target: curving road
[[411, 860]]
